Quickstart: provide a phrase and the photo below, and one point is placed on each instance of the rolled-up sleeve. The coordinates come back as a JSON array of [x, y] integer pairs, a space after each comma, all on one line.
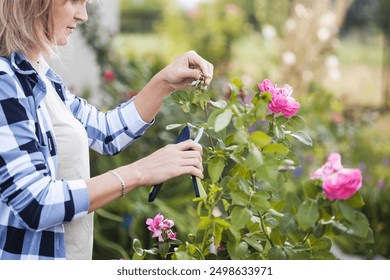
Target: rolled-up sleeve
[[108, 132]]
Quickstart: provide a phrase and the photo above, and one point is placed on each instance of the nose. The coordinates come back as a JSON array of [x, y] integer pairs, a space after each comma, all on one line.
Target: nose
[[81, 13]]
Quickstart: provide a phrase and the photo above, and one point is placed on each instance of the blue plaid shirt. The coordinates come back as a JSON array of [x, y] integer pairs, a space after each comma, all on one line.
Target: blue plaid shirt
[[33, 205]]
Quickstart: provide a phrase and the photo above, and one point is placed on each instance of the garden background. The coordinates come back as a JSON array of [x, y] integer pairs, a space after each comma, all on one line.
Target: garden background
[[334, 53]]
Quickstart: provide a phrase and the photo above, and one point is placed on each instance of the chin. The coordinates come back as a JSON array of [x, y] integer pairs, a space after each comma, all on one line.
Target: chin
[[62, 41]]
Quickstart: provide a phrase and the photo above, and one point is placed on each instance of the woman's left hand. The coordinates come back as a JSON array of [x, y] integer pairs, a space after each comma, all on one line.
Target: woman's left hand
[[186, 69], [180, 74]]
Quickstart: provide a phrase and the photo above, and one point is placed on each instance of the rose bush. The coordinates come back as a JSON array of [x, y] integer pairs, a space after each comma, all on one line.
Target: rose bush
[[246, 210], [258, 206]]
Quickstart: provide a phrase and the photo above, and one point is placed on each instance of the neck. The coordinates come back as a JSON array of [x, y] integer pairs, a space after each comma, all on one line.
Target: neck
[[34, 56]]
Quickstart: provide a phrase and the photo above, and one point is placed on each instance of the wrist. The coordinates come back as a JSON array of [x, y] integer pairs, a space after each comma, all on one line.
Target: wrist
[[165, 88], [131, 176]]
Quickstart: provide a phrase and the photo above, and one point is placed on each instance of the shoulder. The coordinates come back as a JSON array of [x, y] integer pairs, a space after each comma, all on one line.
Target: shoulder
[[8, 86], [5, 66], [7, 82]]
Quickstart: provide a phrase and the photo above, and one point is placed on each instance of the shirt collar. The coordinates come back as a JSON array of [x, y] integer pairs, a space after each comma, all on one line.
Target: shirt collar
[[21, 65]]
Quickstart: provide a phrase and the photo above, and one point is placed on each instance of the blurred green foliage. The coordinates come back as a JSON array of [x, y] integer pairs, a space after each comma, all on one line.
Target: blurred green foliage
[[139, 16], [211, 30]]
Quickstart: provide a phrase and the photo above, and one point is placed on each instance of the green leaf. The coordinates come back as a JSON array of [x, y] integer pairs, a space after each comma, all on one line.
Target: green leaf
[[233, 234], [182, 255], [205, 222], [346, 210], [308, 214], [137, 247], [369, 238], [215, 168], [360, 225], [255, 158], [319, 230], [260, 139], [320, 244], [292, 203], [277, 253], [223, 120], [212, 117], [255, 244], [237, 251], [356, 201], [281, 120], [222, 222], [163, 249], [279, 133], [266, 96], [296, 123], [240, 136], [268, 172], [293, 156], [186, 107], [288, 223], [203, 97], [217, 233], [202, 192], [260, 201], [240, 216], [277, 238], [323, 255], [311, 189], [173, 126], [261, 111], [302, 137], [180, 95], [220, 104], [294, 254], [239, 198], [238, 159], [276, 149]]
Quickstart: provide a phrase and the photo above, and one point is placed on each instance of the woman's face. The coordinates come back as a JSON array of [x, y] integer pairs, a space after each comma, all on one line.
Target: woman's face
[[67, 13]]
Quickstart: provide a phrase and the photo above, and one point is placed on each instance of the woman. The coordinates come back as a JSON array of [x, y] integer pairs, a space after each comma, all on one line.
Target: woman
[[47, 196]]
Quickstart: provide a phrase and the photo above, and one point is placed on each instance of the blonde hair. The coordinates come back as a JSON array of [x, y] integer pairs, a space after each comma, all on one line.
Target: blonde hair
[[25, 26]]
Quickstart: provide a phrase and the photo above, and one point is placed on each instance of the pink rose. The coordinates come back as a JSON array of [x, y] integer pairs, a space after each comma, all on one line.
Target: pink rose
[[286, 91], [332, 165], [285, 105], [342, 184], [291, 108], [281, 101], [267, 85], [277, 104]]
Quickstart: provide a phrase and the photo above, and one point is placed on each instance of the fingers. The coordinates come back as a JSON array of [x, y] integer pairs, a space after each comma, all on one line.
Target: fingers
[[206, 68], [190, 145], [189, 158]]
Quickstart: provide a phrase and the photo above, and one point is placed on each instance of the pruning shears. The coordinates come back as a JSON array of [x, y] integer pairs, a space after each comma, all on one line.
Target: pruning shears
[[183, 136]]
